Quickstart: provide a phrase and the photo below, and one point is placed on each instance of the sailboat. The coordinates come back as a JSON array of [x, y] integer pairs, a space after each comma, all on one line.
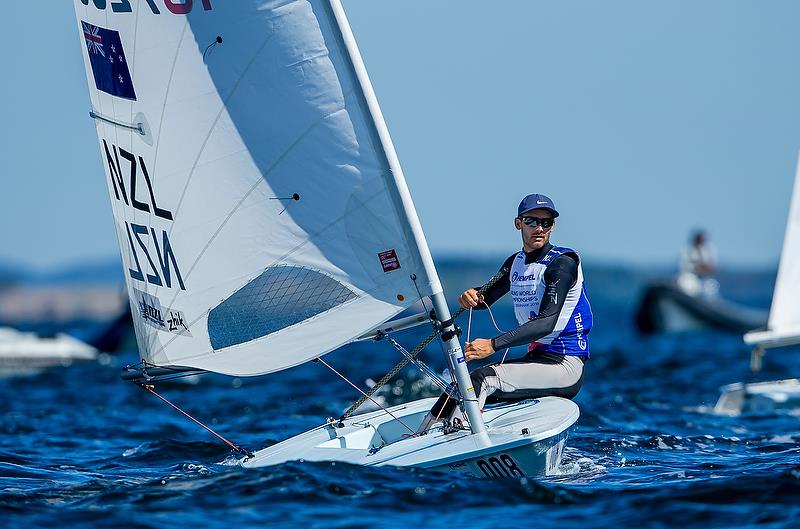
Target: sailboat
[[28, 353], [783, 329], [665, 307], [264, 220]]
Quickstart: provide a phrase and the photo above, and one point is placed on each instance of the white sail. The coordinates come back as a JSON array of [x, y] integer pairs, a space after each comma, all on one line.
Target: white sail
[[262, 216], [783, 327]]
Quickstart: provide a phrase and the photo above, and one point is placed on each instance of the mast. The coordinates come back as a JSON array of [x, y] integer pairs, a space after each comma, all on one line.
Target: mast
[[454, 351], [459, 363]]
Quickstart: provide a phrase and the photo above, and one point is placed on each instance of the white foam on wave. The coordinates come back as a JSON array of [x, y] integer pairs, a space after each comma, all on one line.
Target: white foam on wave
[[133, 451], [783, 439], [661, 445], [199, 469], [231, 461], [702, 409], [577, 467]]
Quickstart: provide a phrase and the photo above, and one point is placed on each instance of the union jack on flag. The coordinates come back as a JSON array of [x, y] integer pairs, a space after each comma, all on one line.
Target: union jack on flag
[[109, 66], [94, 42]]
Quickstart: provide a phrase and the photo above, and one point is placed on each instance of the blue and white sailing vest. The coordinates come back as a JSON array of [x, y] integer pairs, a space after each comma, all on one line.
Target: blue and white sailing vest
[[574, 320]]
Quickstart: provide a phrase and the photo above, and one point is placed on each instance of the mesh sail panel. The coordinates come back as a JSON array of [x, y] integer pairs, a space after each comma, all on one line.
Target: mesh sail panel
[[279, 297]]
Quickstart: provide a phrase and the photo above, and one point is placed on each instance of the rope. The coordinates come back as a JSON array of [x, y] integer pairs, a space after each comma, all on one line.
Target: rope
[[410, 429], [404, 362], [469, 324], [497, 328], [424, 306], [235, 447]]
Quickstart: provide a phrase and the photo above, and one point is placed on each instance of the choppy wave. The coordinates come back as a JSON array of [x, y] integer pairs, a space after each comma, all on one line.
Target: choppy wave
[[79, 447]]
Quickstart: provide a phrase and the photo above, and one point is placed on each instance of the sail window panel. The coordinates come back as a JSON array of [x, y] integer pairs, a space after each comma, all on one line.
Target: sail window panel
[[278, 298]]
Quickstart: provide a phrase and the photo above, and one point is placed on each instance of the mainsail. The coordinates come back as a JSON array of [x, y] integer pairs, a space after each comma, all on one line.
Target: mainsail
[[783, 326], [783, 314], [262, 216]]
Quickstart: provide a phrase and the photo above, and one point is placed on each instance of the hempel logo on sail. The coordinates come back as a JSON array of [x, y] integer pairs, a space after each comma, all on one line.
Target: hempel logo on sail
[[176, 7]]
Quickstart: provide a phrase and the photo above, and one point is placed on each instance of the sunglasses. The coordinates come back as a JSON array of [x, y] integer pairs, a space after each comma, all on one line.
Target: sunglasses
[[536, 221]]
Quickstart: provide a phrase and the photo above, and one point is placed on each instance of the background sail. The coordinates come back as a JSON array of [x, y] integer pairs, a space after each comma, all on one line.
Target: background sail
[[784, 315], [259, 219]]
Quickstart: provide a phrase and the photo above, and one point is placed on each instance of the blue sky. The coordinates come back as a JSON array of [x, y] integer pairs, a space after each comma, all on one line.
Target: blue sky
[[641, 120]]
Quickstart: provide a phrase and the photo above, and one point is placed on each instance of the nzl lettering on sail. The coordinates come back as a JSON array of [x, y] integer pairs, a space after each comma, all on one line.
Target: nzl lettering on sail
[[153, 258]]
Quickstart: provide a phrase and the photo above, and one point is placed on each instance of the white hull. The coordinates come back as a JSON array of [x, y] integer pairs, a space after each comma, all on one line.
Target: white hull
[[26, 352], [759, 397], [524, 439]]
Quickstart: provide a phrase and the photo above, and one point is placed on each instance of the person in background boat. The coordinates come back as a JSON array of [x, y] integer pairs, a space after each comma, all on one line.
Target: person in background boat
[[698, 265], [550, 303]]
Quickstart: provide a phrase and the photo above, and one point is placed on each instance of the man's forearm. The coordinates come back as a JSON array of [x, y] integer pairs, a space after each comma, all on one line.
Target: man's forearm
[[559, 278], [529, 332]]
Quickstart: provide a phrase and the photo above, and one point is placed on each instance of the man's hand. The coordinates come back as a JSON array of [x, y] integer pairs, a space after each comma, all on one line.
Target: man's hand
[[478, 348], [470, 298]]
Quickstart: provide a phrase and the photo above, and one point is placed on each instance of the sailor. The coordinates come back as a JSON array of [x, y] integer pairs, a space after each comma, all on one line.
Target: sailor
[[697, 266], [550, 303]]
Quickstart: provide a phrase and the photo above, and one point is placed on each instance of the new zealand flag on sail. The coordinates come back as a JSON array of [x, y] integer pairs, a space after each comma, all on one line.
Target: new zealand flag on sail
[[109, 66]]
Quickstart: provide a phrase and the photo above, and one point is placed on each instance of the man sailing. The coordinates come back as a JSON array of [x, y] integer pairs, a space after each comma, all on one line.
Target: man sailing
[[550, 303]]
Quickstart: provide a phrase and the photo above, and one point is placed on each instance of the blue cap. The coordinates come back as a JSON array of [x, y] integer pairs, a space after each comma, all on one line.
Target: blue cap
[[536, 201]]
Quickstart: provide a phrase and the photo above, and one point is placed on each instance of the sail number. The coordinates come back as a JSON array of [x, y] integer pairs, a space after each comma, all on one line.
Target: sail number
[[502, 466], [152, 255]]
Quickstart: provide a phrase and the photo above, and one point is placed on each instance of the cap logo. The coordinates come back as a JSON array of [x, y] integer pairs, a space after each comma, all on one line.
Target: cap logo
[[536, 201]]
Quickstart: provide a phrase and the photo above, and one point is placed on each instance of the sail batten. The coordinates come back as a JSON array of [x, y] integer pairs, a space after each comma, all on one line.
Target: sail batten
[[226, 270]]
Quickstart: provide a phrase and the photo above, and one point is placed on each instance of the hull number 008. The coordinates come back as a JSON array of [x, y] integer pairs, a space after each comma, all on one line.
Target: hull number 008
[[500, 467]]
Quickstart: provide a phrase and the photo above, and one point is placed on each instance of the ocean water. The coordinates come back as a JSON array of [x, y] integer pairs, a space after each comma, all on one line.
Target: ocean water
[[81, 448]]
